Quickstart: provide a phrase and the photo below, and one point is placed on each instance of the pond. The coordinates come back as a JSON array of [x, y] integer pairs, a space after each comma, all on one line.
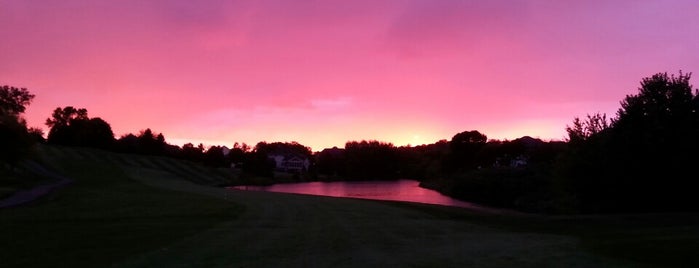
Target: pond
[[399, 190]]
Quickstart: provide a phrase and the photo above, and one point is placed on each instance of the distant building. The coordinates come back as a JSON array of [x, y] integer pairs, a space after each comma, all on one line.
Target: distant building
[[513, 162], [519, 161], [225, 150], [290, 162], [332, 152]]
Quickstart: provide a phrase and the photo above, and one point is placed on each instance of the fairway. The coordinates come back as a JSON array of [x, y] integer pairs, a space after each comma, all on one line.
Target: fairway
[[307, 231], [145, 212]]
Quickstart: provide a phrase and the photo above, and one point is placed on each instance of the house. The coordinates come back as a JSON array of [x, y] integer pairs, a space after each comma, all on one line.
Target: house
[[519, 161], [290, 162], [513, 162], [332, 152], [225, 150]]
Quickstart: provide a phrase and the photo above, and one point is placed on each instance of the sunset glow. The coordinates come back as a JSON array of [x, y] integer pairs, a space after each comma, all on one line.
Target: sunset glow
[[326, 72]]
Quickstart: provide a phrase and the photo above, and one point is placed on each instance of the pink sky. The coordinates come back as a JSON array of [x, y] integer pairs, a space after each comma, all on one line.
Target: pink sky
[[326, 72]]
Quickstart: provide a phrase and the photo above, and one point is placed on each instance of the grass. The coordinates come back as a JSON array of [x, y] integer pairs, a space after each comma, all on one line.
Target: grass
[[139, 211], [103, 217], [9, 183], [18, 179], [656, 240]]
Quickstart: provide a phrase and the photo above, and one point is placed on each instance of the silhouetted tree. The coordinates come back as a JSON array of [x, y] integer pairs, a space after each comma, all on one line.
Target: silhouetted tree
[[582, 130], [14, 100], [238, 153], [283, 148], [15, 139], [257, 161], [65, 116], [149, 143], [70, 126], [60, 123], [160, 139], [214, 157], [465, 146], [191, 152], [332, 162], [95, 133], [36, 134], [655, 141], [644, 161], [128, 143], [371, 160]]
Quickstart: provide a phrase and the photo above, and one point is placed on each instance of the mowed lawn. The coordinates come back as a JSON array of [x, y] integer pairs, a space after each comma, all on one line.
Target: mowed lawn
[[136, 211], [103, 217]]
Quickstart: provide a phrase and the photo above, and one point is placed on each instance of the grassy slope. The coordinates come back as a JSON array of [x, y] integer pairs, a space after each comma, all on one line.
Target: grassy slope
[[135, 211], [10, 182], [103, 217]]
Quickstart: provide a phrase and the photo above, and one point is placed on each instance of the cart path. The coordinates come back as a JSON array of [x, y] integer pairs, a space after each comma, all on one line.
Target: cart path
[[26, 196]]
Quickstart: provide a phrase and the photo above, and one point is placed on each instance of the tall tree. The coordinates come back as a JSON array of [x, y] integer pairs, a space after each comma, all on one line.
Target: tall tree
[[65, 116], [97, 133], [648, 150], [14, 100], [14, 136], [464, 148], [71, 126], [656, 139], [14, 139], [665, 110], [584, 129]]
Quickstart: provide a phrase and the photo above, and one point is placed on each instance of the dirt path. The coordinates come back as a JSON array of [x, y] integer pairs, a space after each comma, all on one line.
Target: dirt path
[[25, 196], [286, 230]]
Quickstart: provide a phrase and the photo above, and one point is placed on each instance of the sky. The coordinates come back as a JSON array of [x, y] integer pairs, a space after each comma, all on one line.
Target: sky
[[322, 73]]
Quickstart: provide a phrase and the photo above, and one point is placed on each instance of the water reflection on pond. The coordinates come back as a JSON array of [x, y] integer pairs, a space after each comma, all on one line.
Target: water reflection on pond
[[399, 190]]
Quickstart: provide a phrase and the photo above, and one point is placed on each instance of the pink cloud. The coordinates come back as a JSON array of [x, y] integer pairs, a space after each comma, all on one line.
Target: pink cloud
[[325, 72]]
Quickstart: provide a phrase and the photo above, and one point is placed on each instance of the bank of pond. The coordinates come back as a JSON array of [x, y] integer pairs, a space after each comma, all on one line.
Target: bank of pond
[[393, 190]]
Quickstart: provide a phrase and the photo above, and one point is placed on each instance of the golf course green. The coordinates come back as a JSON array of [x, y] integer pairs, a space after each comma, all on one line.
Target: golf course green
[[140, 211]]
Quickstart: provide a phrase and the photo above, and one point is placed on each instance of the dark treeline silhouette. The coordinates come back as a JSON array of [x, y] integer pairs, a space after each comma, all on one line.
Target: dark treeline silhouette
[[513, 174], [376, 160], [641, 160], [73, 127], [469, 166], [371, 160], [147, 142]]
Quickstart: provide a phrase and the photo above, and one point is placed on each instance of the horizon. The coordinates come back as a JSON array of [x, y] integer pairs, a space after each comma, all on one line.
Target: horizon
[[340, 146], [323, 74]]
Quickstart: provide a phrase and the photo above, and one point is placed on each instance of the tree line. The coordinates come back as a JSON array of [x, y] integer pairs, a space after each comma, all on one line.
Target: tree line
[[642, 159], [71, 126]]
